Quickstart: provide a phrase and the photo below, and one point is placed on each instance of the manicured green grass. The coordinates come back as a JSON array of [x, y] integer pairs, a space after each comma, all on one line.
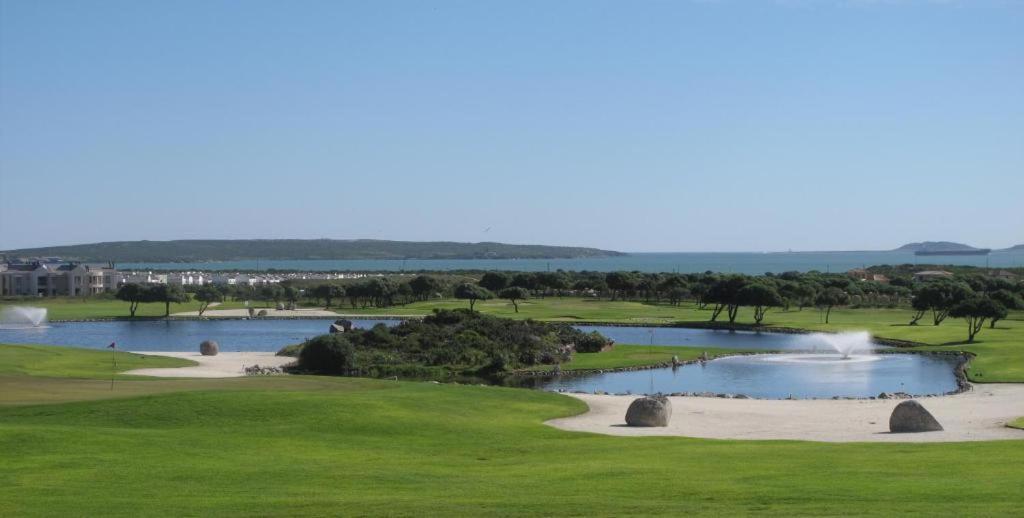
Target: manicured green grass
[[79, 308], [71, 362], [635, 356], [342, 446], [1019, 423]]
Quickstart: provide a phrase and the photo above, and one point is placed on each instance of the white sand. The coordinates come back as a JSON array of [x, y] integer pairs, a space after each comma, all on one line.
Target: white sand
[[978, 415], [271, 313], [224, 365]]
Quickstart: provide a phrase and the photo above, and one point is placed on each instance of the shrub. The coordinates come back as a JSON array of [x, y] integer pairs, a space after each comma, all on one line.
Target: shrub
[[292, 350], [328, 354], [591, 343]]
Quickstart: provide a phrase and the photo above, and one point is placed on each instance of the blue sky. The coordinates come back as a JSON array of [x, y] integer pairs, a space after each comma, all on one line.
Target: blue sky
[[636, 126]]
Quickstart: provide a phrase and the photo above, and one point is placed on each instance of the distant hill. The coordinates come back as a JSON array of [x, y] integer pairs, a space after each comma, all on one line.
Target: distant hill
[[201, 250], [935, 246], [1014, 248]]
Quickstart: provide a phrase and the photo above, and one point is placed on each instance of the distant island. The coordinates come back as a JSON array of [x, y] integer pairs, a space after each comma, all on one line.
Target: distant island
[[936, 246], [943, 248], [207, 250]]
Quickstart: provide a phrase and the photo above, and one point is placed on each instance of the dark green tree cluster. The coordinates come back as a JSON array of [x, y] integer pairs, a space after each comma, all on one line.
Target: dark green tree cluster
[[447, 343]]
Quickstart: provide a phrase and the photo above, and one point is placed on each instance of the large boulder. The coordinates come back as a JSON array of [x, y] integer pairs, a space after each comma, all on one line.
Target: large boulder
[[344, 323], [280, 306], [209, 348], [909, 416], [261, 313], [335, 328], [649, 411]]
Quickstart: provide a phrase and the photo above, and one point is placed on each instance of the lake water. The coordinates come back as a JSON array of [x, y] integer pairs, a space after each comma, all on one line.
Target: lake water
[[177, 335], [778, 376], [272, 334], [767, 376], [687, 262]]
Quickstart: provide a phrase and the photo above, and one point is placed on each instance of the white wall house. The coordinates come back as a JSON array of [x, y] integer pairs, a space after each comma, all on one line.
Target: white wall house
[[72, 279]]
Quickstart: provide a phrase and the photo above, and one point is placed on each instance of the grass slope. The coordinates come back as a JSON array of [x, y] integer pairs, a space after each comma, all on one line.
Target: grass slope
[[71, 362], [79, 308], [351, 446]]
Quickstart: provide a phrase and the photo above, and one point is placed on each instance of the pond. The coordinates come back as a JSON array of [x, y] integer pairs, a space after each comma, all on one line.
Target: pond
[[764, 375], [177, 335], [779, 376], [272, 334]]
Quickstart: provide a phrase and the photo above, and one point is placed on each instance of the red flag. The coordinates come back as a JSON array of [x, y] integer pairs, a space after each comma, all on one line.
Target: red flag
[[112, 346]]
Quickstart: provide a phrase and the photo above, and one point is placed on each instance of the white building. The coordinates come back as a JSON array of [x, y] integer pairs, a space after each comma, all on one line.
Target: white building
[[49, 279]]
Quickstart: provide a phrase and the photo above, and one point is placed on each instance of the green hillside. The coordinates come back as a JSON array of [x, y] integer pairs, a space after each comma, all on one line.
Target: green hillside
[[270, 249]]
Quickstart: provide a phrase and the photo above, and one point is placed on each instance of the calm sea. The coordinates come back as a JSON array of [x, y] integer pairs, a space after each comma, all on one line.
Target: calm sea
[[686, 262]]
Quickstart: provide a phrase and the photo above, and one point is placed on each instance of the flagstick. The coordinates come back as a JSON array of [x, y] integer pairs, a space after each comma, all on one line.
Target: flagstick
[[113, 372]]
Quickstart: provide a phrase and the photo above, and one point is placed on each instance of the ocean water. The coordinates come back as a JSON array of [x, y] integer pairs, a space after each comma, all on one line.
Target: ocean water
[[683, 262]]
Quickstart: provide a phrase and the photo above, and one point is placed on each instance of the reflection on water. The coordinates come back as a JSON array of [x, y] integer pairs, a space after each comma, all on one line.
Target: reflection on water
[[178, 335], [779, 376], [272, 334]]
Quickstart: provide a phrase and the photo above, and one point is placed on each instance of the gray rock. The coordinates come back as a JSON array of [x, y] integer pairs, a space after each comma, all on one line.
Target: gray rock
[[261, 313], [209, 348], [335, 328], [280, 306], [910, 417], [649, 411]]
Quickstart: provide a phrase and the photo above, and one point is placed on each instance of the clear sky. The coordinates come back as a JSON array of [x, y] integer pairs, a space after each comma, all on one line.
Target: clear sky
[[635, 126]]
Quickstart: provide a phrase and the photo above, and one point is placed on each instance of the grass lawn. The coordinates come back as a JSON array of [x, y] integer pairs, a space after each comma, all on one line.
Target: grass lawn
[[78, 308], [1019, 423], [635, 356], [328, 446]]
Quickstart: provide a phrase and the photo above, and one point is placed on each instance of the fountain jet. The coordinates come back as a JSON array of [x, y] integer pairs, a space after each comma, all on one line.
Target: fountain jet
[[846, 344], [22, 316]]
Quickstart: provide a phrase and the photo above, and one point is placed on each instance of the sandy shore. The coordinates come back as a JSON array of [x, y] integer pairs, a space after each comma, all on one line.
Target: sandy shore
[[224, 365], [977, 415], [271, 313]]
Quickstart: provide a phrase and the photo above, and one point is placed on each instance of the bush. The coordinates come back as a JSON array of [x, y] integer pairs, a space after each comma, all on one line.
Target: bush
[[292, 350], [328, 354], [591, 343]]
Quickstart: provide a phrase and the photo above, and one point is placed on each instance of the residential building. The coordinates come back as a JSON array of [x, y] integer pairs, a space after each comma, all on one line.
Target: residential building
[[39, 279]]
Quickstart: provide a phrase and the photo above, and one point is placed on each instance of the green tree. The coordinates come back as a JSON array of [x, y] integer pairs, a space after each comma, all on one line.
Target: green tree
[[621, 284], [472, 293], [271, 293], [423, 286], [724, 293], [133, 294], [205, 295], [761, 297], [829, 298], [495, 281], [975, 310], [940, 296], [514, 294], [167, 294], [1008, 299]]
